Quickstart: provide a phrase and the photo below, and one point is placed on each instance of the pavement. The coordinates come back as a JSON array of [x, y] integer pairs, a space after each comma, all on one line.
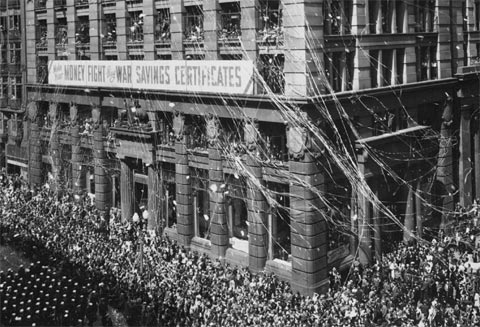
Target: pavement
[[11, 259]]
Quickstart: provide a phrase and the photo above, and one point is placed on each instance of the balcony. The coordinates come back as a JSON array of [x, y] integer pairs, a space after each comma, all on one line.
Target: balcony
[[81, 4], [194, 36], [13, 4], [14, 34], [15, 68], [42, 46], [270, 33], [163, 41], [110, 47], [82, 49], [59, 4], [229, 37], [3, 102], [42, 74], [40, 5], [15, 104]]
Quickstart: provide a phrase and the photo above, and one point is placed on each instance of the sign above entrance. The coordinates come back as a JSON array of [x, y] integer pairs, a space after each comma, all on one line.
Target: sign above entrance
[[212, 76]]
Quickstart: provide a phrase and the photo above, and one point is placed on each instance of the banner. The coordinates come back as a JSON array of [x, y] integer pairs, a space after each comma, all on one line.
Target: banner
[[212, 76]]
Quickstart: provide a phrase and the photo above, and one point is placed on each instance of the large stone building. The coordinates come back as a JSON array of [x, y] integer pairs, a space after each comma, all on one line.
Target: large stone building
[[252, 172]]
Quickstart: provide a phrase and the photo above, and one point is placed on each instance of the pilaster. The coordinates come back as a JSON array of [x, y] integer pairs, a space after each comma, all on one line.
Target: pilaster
[[121, 28], [155, 194], [177, 11], [150, 14], [363, 214], [307, 215], [78, 172], [35, 154], [256, 203], [127, 187], [361, 64], [464, 162], [95, 15], [304, 46], [183, 197], [211, 11], [219, 227], [249, 25], [102, 182]]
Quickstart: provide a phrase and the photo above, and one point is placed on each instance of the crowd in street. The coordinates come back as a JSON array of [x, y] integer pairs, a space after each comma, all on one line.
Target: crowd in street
[[98, 258]]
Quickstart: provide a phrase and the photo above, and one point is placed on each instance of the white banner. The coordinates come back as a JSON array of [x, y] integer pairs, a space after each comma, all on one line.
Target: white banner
[[213, 76]]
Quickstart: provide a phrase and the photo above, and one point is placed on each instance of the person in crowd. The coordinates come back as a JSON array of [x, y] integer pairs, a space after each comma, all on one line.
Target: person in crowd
[[81, 268]]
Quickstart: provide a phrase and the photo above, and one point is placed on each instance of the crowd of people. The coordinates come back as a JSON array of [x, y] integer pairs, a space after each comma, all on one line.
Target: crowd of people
[[98, 257]]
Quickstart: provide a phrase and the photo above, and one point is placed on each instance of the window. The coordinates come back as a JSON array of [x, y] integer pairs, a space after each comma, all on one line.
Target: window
[[339, 70], [425, 15], [61, 32], [3, 87], [273, 137], [196, 132], [271, 69], [400, 66], [15, 49], [230, 21], [476, 14], [201, 206], [135, 26], [337, 17], [237, 213], [41, 34], [162, 27], [194, 24], [270, 21], [339, 222], [426, 63], [374, 61], [386, 68], [110, 33], [279, 222], [82, 35], [170, 205], [42, 69]]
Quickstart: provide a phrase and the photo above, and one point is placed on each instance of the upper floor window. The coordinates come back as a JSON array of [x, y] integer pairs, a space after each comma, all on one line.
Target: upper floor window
[[271, 70], [15, 49], [194, 23], [110, 26], [476, 15], [271, 21], [41, 34], [339, 70], [162, 27], [424, 15], [82, 35], [338, 17], [61, 32], [427, 63], [135, 23], [387, 16], [230, 20]]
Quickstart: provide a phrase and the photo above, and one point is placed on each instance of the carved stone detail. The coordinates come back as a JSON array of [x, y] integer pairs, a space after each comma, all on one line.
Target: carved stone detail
[[213, 129], [73, 114], [179, 126]]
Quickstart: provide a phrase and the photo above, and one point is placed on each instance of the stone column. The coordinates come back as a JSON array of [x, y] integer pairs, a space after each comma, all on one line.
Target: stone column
[[102, 183], [185, 226], [51, 31], [418, 209], [363, 213], [409, 222], [219, 227], [35, 154], [377, 226], [150, 16], [465, 160], [177, 11], [31, 36], [78, 172], [95, 15], [444, 162], [127, 187], [211, 12], [155, 194], [55, 147], [300, 59], [307, 215], [476, 142], [256, 203]]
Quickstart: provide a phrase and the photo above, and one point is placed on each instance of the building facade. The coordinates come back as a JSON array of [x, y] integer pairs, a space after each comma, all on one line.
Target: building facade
[[358, 112]]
